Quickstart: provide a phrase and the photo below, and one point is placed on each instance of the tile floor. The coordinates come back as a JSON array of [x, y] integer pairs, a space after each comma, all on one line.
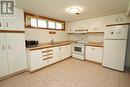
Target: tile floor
[[70, 73]]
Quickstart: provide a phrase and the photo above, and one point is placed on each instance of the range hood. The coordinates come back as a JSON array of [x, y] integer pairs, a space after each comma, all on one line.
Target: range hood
[[83, 31]]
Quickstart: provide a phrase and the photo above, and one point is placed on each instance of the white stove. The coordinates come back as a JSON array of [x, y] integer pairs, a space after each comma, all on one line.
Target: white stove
[[78, 50]]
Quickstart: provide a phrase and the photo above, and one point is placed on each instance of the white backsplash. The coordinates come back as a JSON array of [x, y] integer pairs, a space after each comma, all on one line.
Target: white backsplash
[[43, 36], [88, 37]]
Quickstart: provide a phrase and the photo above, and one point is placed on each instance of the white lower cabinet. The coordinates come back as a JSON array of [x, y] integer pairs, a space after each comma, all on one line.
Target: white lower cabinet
[[3, 57], [68, 51], [42, 57], [16, 52], [94, 54], [63, 52], [35, 59], [12, 53], [56, 54]]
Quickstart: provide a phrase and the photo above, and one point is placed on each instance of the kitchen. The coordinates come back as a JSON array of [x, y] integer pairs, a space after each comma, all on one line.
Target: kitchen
[[76, 43]]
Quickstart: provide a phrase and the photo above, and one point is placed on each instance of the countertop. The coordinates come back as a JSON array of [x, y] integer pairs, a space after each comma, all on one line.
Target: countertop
[[90, 43], [61, 43], [96, 44], [48, 45]]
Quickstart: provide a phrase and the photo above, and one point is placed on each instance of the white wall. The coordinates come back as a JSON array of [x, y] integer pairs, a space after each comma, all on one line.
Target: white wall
[[43, 36]]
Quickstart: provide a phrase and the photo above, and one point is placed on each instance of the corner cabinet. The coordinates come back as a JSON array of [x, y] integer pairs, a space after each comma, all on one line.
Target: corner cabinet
[[40, 58], [94, 54], [15, 22]]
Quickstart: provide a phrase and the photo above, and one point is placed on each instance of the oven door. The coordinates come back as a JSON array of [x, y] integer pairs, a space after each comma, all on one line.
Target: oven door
[[79, 48]]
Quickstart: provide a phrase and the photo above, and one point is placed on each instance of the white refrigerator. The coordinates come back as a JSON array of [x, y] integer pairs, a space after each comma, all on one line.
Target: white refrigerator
[[115, 47]]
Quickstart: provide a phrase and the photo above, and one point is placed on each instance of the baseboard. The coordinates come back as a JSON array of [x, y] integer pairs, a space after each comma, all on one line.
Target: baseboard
[[13, 74], [47, 65]]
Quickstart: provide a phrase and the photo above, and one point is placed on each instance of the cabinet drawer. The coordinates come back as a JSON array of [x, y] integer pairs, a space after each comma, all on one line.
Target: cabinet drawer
[[47, 50], [47, 62]]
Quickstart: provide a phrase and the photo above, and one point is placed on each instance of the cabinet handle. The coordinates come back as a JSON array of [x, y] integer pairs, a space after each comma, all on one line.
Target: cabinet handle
[[121, 20], [9, 47], [116, 20], [6, 24], [97, 28], [3, 47]]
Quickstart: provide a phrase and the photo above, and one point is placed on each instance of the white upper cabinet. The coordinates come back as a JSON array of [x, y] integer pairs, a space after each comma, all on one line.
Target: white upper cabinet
[[1, 23], [91, 25], [15, 22], [98, 24], [74, 26], [101, 24], [70, 27], [117, 19]]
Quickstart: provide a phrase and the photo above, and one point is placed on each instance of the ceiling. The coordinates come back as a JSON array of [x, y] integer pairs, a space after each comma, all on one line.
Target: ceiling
[[56, 8]]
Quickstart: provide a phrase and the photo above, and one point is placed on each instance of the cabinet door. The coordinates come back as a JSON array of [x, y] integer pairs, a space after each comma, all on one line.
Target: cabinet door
[[89, 53], [56, 54], [112, 19], [62, 52], [101, 24], [68, 51], [16, 51], [3, 56], [98, 54], [91, 25], [117, 19], [123, 18], [1, 23], [35, 58], [16, 22], [71, 27]]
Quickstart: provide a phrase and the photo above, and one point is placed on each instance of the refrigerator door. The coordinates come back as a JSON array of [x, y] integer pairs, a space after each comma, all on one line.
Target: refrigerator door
[[119, 32], [114, 54]]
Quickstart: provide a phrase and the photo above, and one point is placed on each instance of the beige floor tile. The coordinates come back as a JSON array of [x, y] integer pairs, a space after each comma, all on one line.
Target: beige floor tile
[[70, 73]]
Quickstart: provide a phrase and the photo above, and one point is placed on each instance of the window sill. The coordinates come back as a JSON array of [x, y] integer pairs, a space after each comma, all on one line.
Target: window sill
[[35, 28]]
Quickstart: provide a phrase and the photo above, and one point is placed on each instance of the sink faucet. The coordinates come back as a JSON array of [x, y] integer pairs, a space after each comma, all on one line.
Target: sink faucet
[[52, 40]]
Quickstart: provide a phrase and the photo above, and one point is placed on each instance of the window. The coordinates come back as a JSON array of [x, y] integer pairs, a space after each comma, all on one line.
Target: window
[[33, 22], [40, 22], [59, 26], [51, 24]]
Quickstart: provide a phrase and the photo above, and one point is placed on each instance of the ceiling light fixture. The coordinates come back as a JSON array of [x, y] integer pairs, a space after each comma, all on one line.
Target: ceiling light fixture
[[74, 10]]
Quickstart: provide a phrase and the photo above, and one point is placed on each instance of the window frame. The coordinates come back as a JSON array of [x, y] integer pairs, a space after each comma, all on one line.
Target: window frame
[[44, 18]]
